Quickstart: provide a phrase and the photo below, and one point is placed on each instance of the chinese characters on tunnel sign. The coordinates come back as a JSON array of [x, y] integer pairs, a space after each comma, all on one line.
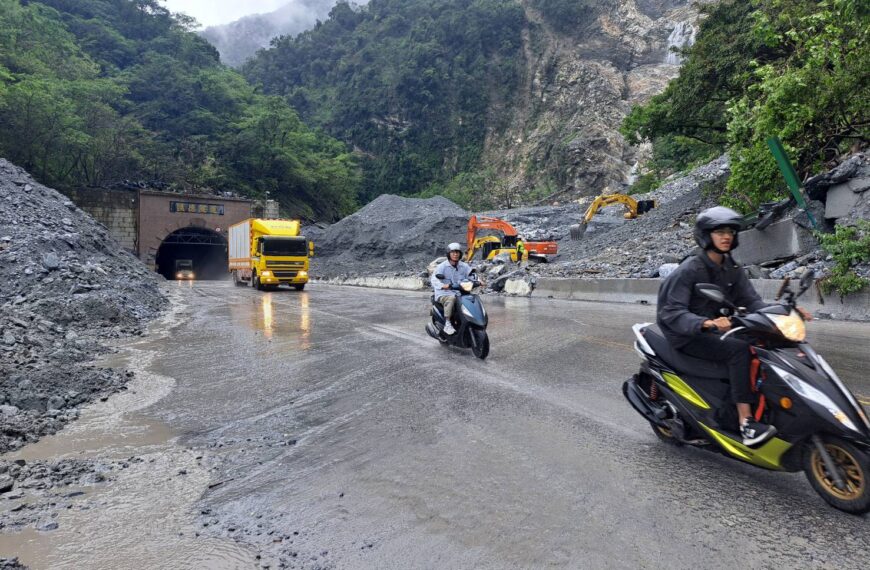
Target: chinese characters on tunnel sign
[[196, 208]]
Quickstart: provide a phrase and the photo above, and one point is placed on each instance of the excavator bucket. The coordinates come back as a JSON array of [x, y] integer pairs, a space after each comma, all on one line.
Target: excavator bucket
[[577, 230]]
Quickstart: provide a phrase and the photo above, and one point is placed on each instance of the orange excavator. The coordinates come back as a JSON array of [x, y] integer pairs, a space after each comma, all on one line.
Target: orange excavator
[[491, 245]]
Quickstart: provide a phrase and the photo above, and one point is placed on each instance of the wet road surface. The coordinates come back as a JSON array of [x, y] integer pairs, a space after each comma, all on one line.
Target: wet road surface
[[326, 429]]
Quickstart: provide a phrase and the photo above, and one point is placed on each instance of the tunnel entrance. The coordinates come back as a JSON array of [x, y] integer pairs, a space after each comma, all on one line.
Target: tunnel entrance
[[192, 253]]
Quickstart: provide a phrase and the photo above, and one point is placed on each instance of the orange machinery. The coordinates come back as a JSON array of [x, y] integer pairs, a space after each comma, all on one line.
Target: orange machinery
[[491, 246]]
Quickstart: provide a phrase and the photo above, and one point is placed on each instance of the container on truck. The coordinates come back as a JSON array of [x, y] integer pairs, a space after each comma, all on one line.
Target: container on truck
[[269, 253]]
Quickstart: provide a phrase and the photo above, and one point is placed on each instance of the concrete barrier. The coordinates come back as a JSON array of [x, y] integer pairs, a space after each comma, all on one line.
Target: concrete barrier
[[855, 307], [403, 283]]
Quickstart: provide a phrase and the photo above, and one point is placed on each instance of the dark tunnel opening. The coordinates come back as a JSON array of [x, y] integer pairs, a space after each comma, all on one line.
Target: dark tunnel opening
[[193, 253]]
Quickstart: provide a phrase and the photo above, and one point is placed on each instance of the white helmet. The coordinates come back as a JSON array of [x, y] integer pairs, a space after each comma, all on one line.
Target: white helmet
[[454, 246]]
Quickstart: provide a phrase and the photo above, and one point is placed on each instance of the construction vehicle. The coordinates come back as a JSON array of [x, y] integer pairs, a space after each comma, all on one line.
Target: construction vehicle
[[269, 253], [490, 246], [634, 208]]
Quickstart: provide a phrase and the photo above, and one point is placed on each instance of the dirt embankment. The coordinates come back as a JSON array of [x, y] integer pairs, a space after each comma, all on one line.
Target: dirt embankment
[[65, 289]]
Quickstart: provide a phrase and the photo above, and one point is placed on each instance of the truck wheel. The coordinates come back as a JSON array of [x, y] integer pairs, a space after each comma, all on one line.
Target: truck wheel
[[255, 282], [299, 287]]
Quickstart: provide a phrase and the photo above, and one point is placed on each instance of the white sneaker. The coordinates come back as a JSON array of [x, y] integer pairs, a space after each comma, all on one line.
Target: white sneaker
[[448, 328]]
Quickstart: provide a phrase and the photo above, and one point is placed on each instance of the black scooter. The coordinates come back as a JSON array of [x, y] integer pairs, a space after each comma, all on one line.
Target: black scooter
[[469, 319], [822, 428]]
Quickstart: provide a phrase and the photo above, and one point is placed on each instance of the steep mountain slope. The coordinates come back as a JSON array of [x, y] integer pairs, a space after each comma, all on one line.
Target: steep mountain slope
[[518, 100], [239, 40]]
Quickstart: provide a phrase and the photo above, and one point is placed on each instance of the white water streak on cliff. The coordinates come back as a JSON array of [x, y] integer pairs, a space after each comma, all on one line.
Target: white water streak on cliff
[[682, 36]]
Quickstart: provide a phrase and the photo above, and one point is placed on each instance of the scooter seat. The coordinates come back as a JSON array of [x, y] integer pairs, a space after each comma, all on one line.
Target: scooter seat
[[680, 361]]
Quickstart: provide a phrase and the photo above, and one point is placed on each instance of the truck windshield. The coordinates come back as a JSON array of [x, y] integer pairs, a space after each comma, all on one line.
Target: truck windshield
[[285, 246]]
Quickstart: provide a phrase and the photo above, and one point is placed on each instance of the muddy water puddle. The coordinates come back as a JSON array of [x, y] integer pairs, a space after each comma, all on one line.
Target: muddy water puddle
[[143, 516]]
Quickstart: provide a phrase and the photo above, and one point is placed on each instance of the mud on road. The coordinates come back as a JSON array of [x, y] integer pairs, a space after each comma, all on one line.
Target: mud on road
[[325, 429]]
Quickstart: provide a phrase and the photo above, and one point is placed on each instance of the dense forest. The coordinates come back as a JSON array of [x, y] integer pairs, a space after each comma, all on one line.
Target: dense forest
[[796, 69], [408, 82], [95, 92]]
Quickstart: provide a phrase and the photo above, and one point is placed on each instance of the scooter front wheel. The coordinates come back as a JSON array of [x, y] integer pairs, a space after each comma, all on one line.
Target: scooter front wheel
[[480, 348], [853, 467]]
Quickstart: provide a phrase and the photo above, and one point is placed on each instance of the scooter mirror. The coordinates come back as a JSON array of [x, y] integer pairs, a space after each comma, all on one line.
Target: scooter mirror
[[711, 291]]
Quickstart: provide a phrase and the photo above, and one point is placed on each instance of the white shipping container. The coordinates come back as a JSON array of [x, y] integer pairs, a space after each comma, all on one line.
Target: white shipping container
[[240, 245]]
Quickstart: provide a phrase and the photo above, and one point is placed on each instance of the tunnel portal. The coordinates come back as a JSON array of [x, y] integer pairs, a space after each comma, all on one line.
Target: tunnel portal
[[200, 250]]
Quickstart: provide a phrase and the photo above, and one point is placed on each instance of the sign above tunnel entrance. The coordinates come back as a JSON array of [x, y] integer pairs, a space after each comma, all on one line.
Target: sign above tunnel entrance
[[196, 208]]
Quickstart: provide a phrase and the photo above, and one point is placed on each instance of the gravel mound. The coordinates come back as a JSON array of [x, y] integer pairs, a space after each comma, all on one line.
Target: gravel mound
[[391, 234], [65, 288]]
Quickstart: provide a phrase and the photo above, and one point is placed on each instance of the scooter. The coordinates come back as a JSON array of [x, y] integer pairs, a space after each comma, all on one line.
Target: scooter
[[469, 319], [822, 428]]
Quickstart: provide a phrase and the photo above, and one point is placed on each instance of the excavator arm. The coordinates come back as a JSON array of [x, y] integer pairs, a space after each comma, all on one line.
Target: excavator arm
[[476, 224], [633, 207], [541, 250]]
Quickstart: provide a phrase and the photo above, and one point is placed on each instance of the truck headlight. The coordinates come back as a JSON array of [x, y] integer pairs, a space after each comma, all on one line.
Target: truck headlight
[[265, 273], [302, 274], [811, 393], [791, 326]]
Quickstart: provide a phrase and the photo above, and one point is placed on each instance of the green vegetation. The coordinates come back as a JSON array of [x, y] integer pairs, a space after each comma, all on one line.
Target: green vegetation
[[849, 245], [93, 92], [409, 83], [796, 69]]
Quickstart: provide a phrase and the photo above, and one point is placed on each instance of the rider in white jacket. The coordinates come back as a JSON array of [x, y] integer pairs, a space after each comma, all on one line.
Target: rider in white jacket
[[453, 270]]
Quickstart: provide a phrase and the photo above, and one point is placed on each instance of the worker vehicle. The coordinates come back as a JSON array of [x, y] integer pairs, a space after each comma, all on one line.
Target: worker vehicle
[[269, 253], [634, 208], [469, 319], [184, 269], [822, 428], [490, 246]]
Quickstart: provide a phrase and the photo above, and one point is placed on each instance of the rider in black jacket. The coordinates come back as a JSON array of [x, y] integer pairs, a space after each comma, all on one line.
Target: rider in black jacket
[[692, 323]]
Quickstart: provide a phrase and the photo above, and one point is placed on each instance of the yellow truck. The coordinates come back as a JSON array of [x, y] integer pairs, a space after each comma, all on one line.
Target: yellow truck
[[269, 253]]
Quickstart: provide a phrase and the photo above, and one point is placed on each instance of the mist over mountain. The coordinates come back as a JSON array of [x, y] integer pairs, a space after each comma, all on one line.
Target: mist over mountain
[[239, 40]]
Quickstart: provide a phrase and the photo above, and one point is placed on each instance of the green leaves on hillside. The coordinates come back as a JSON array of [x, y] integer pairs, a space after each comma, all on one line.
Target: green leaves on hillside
[[93, 92], [796, 69], [407, 82]]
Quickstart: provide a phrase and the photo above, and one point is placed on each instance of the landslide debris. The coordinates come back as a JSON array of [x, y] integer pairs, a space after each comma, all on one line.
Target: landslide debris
[[396, 236], [391, 234], [66, 288]]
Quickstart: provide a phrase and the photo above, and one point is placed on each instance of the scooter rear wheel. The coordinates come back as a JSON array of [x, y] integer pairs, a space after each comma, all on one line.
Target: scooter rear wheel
[[665, 435], [854, 468]]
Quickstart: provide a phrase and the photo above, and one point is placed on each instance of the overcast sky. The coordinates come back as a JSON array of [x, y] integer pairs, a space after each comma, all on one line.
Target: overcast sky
[[213, 12]]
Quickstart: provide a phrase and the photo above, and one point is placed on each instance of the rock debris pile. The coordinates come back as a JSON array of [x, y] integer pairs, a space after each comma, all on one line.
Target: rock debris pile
[[390, 235], [65, 288], [395, 236]]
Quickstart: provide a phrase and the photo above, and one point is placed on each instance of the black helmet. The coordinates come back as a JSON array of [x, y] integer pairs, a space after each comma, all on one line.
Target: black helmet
[[716, 217]]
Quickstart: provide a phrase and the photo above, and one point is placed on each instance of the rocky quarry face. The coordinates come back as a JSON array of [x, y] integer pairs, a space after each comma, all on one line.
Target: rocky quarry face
[[564, 125], [65, 288]]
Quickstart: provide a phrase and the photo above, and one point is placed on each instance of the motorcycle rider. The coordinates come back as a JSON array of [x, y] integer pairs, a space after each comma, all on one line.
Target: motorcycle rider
[[454, 270], [691, 322]]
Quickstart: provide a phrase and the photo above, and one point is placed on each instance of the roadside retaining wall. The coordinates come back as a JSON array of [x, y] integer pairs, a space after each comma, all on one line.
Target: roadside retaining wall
[[644, 291], [115, 209]]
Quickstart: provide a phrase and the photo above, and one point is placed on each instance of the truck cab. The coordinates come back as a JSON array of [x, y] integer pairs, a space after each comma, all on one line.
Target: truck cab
[[269, 253], [184, 269]]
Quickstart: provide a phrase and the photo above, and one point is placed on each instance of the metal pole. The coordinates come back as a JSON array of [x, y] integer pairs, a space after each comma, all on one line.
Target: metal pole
[[791, 177]]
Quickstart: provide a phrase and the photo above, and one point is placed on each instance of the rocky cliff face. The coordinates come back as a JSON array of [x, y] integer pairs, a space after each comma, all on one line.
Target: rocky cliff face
[[563, 128]]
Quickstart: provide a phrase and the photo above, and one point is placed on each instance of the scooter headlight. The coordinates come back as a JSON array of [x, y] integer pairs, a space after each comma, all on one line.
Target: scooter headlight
[[791, 326], [466, 286], [814, 394]]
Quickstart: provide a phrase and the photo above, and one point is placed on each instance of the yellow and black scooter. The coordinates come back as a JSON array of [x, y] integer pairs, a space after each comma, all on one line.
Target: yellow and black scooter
[[822, 428]]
